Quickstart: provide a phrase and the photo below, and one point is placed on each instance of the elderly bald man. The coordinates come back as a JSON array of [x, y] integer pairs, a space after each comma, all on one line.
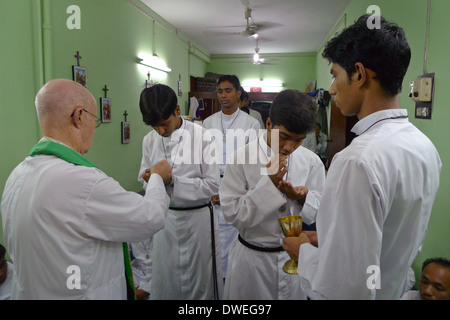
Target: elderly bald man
[[64, 220]]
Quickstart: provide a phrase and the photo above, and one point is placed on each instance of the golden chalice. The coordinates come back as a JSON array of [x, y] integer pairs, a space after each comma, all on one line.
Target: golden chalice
[[291, 226]]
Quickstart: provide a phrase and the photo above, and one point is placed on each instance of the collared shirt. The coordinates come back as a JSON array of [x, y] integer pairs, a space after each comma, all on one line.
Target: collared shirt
[[374, 211]]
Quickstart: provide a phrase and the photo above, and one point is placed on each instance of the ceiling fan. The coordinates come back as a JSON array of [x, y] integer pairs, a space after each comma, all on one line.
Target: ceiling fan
[[251, 30]]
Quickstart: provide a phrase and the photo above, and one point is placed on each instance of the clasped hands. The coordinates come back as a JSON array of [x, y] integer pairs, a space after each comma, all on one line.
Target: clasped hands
[[162, 168], [277, 168]]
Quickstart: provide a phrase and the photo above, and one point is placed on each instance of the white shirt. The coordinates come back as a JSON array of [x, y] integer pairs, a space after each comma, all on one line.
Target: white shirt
[[5, 287], [251, 202], [255, 114], [58, 216], [182, 252], [374, 211]]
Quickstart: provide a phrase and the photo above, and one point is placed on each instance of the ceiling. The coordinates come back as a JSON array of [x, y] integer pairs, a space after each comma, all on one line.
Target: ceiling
[[285, 26]]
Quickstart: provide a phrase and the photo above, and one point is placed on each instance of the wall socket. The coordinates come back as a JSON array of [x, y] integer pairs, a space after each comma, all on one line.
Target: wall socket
[[421, 89], [422, 92]]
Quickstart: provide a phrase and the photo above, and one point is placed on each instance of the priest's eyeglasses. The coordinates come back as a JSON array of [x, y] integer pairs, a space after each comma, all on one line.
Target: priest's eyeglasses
[[98, 121]]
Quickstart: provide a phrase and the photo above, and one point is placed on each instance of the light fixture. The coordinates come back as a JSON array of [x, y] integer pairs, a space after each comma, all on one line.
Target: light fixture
[[256, 56], [262, 86], [262, 83], [154, 64]]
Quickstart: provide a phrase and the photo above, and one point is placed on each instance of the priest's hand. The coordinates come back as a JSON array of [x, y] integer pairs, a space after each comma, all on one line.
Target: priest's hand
[[215, 199], [277, 168], [162, 168], [141, 294], [294, 193], [292, 245]]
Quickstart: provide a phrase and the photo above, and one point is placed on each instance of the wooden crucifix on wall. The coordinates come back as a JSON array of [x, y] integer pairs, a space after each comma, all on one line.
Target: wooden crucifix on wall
[[126, 129], [79, 74], [105, 106]]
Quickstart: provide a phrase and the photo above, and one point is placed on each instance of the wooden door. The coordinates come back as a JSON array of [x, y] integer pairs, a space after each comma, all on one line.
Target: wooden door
[[340, 131]]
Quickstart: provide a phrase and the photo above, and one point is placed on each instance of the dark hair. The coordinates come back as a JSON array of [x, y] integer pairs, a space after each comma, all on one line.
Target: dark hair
[[244, 94], [294, 110], [384, 51], [440, 261], [157, 103], [232, 79], [2, 251]]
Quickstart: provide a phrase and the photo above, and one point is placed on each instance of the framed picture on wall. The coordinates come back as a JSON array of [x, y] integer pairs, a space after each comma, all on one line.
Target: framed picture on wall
[[105, 105], [79, 74], [126, 132]]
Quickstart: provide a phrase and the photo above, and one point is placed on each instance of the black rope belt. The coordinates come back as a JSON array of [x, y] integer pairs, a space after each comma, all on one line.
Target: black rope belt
[[213, 242], [262, 249], [189, 208]]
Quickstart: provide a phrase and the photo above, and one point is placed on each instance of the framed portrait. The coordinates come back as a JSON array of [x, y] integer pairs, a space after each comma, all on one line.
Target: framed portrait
[[126, 132], [79, 74], [423, 111], [105, 108], [310, 86]]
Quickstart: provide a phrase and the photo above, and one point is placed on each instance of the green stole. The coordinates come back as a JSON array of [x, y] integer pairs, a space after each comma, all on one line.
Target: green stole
[[70, 155]]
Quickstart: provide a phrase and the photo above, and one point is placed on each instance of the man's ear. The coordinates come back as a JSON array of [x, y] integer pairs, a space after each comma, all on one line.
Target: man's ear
[[76, 118], [360, 75], [178, 111]]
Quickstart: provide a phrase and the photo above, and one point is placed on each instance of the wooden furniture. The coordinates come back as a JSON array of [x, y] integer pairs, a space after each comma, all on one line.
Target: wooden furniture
[[210, 103], [340, 131]]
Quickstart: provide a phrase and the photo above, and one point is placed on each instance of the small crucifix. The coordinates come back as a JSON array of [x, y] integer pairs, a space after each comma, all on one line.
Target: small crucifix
[[106, 91], [125, 115], [78, 57]]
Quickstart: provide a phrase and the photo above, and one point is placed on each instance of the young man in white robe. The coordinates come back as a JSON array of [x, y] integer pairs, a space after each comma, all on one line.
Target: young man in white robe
[[267, 179], [380, 189], [186, 254], [235, 128], [65, 222]]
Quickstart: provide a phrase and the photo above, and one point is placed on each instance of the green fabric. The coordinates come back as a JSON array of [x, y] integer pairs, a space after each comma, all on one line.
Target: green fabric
[[70, 155]]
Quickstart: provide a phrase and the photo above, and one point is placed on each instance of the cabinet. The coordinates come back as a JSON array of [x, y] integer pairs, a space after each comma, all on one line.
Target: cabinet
[[340, 131], [210, 102]]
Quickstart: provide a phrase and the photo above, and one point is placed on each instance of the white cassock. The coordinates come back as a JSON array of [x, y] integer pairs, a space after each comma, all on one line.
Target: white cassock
[[142, 263], [374, 212], [61, 221], [228, 124], [251, 203], [255, 114], [182, 252]]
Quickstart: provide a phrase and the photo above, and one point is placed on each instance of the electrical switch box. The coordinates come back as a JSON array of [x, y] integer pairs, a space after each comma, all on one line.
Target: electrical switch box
[[421, 89], [422, 92]]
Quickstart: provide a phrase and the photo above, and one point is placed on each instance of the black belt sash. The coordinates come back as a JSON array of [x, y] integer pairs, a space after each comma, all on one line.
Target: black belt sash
[[262, 249], [213, 242]]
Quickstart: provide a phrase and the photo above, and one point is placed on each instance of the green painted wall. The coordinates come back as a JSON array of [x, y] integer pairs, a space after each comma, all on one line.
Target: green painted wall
[[411, 16], [293, 70]]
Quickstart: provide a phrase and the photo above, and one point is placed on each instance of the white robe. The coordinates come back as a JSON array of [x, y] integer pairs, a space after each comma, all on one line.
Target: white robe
[[220, 121], [58, 217], [255, 114], [251, 203], [374, 212], [182, 252]]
